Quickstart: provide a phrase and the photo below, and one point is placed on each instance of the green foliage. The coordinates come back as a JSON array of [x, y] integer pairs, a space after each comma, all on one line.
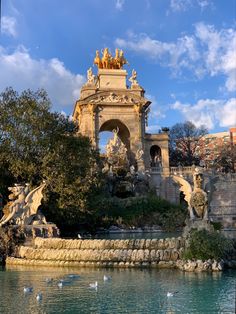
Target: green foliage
[[207, 245], [138, 212], [217, 225], [37, 144]]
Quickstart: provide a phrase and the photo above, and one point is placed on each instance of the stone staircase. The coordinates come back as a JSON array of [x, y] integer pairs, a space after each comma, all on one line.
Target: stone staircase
[[100, 253]]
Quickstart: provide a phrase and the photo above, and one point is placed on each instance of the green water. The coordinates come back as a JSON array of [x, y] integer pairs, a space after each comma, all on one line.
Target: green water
[[129, 291]]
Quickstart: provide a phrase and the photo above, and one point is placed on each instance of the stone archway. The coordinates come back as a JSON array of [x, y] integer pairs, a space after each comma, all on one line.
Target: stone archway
[[123, 133], [107, 102], [155, 156]]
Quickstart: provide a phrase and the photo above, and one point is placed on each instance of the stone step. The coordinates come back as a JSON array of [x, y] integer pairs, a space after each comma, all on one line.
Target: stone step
[[49, 263], [57, 243], [102, 255]]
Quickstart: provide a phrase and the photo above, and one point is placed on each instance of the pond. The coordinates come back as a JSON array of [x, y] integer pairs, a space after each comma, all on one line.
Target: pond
[[128, 291], [137, 235]]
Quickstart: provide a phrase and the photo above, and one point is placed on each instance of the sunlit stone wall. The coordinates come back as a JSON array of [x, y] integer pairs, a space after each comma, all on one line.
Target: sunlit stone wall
[[126, 253], [160, 253]]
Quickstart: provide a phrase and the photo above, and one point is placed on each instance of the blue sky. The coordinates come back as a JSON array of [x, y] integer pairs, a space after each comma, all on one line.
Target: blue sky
[[184, 52]]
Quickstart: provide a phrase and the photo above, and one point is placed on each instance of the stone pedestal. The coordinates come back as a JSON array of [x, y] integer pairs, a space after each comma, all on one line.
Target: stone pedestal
[[115, 79], [198, 224]]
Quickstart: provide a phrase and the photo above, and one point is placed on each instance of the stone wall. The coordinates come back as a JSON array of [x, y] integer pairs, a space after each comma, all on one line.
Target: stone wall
[[155, 253], [108, 253], [223, 202]]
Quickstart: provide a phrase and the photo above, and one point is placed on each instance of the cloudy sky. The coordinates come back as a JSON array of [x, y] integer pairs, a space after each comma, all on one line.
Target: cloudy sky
[[184, 52]]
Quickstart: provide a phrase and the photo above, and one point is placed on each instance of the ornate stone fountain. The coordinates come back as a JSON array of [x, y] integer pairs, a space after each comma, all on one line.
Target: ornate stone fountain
[[123, 179]]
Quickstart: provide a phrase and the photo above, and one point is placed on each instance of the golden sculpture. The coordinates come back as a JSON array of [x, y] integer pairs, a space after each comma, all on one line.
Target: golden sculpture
[[108, 62]]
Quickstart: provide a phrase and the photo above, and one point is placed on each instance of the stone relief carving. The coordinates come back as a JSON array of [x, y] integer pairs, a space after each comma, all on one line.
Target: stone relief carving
[[114, 98], [22, 208]]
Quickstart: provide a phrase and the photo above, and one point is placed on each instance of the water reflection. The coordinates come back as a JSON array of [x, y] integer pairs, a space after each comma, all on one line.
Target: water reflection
[[129, 291]]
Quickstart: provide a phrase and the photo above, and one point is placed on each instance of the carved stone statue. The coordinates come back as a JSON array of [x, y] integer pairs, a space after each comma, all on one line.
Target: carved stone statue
[[109, 62], [199, 197], [97, 60], [90, 76], [22, 208], [122, 60], [196, 198], [132, 170], [139, 154], [116, 60], [106, 59], [116, 151], [133, 78]]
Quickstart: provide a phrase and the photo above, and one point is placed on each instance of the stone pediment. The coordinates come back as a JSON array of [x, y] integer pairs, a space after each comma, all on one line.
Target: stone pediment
[[114, 97]]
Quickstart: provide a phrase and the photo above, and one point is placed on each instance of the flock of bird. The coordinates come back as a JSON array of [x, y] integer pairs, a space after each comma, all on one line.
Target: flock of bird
[[61, 283]]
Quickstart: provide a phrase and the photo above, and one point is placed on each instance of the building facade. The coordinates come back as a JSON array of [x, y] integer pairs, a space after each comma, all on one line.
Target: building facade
[[211, 145]]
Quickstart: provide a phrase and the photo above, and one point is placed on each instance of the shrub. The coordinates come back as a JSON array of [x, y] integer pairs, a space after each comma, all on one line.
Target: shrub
[[204, 245], [138, 212], [217, 225]]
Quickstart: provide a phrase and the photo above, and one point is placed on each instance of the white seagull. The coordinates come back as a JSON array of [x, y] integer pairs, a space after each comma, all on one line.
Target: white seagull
[[106, 278], [60, 284], [93, 285], [171, 294], [39, 296], [28, 289]]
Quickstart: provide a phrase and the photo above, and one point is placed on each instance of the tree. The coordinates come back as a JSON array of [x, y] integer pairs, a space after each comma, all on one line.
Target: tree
[[226, 159], [37, 144], [184, 141]]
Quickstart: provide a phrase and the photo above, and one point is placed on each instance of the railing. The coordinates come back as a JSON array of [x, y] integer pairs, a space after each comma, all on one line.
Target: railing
[[155, 169], [189, 171], [180, 170]]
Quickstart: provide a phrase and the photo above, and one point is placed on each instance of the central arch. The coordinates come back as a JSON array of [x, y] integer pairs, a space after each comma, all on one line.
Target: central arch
[[123, 133]]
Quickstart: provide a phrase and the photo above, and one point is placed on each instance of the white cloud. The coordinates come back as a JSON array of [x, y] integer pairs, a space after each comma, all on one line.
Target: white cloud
[[9, 26], [227, 113], [179, 5], [21, 71], [184, 5], [206, 51], [209, 112], [156, 110], [120, 4], [154, 128]]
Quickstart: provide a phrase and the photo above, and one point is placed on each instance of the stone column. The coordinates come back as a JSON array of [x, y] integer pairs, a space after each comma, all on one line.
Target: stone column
[[165, 161]]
